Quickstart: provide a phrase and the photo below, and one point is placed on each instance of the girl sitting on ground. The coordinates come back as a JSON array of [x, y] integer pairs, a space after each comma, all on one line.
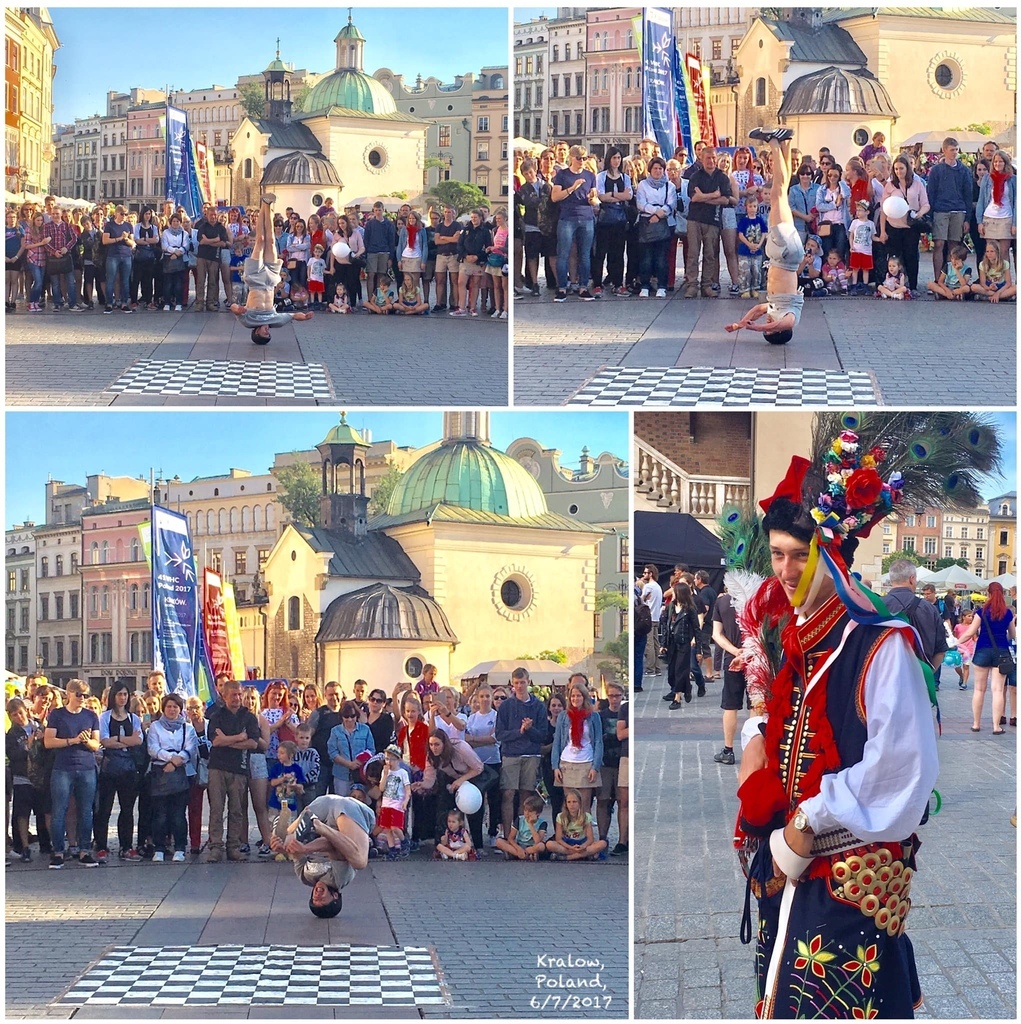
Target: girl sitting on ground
[[380, 301], [340, 303], [456, 841], [409, 298], [528, 838], [574, 837], [895, 284], [994, 280]]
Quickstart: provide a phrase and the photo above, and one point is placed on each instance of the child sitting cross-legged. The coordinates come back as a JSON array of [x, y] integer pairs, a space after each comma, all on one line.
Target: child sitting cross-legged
[[574, 837], [528, 838], [994, 280], [895, 284], [456, 841], [955, 281], [409, 298], [340, 303], [834, 273], [381, 300]]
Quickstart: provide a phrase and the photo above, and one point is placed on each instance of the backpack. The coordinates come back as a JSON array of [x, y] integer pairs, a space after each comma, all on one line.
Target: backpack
[[643, 618], [40, 762]]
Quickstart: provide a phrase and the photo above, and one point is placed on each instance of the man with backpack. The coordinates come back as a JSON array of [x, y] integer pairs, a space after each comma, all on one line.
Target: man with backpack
[[922, 614]]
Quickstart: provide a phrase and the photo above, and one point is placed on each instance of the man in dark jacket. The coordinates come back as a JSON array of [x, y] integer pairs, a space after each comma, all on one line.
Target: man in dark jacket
[[708, 190], [521, 728], [471, 251], [923, 615], [950, 189], [380, 238]]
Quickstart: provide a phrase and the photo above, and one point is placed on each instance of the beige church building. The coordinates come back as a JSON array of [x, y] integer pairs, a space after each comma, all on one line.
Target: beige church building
[[838, 76], [467, 564], [347, 140]]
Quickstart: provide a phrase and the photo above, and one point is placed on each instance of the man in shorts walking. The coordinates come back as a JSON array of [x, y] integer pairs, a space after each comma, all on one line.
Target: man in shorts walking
[[262, 275], [784, 248]]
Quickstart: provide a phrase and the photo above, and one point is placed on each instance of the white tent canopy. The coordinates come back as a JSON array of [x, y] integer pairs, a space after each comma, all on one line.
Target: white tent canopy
[[542, 673], [932, 142], [956, 578], [924, 575], [1006, 580]]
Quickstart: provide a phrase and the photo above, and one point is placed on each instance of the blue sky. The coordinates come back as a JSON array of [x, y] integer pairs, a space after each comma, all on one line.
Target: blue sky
[[166, 46], [69, 446]]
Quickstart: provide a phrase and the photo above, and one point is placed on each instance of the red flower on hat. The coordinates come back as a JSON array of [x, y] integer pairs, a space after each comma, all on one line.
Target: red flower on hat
[[863, 488]]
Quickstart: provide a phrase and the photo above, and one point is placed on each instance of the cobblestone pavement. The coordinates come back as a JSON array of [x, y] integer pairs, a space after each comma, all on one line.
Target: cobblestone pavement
[[489, 923], [71, 359], [558, 347], [689, 891]]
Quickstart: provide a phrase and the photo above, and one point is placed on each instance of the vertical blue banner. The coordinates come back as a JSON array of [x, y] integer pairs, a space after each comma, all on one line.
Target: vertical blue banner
[[658, 98], [178, 650], [682, 107], [182, 178]]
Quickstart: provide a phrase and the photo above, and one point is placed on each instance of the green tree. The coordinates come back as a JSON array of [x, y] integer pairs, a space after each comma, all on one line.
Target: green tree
[[253, 101], [945, 563], [301, 493], [382, 491], [298, 102], [461, 195], [617, 650], [911, 556], [559, 656]]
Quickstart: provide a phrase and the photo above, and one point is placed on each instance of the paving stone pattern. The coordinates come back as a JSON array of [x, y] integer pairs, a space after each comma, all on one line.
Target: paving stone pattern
[[72, 359], [559, 347], [689, 891]]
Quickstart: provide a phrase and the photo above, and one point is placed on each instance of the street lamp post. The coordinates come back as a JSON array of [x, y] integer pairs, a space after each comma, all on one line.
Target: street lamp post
[[228, 160], [466, 124]]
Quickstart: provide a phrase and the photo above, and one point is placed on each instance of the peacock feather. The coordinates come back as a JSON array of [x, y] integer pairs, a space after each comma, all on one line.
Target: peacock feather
[[941, 456]]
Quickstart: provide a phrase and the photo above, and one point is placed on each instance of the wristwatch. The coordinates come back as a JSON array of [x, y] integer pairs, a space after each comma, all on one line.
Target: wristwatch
[[801, 822]]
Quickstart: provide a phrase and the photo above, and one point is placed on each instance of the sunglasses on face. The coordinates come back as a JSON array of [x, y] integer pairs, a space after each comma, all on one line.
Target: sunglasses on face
[[376, 700], [496, 700], [348, 716]]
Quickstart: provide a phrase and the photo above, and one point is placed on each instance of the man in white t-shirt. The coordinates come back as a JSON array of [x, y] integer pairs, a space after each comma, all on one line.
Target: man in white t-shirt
[[652, 595]]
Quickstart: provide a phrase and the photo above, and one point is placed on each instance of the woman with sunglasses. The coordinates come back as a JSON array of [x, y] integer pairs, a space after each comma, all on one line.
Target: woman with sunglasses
[[380, 721], [801, 196], [347, 741]]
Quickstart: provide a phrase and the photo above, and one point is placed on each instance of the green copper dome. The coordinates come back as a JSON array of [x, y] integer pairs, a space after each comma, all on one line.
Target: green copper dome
[[353, 90], [349, 32], [344, 433], [469, 475]]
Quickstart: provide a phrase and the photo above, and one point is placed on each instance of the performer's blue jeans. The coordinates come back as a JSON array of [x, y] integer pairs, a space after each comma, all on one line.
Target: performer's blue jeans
[[569, 232], [62, 785]]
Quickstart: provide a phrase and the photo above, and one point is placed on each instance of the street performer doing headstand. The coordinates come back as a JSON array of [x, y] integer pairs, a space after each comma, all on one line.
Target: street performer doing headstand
[[784, 248], [262, 275]]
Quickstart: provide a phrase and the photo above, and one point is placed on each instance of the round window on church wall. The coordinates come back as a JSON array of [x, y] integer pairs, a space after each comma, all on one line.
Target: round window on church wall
[[377, 158], [861, 136], [510, 594], [947, 74], [413, 668]]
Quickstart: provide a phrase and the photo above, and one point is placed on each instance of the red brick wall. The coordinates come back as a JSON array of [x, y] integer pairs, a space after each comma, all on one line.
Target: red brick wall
[[713, 443]]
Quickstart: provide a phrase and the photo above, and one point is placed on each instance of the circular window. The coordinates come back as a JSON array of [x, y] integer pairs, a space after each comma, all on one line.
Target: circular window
[[450, 106], [946, 75], [411, 110], [510, 594], [573, 509], [413, 668], [377, 158], [861, 136]]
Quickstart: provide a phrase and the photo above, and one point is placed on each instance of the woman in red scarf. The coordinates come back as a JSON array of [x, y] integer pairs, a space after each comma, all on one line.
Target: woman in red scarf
[[578, 743], [996, 208]]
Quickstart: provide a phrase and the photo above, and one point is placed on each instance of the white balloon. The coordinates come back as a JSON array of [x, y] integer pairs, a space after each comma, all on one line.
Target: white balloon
[[895, 207], [468, 798], [341, 249]]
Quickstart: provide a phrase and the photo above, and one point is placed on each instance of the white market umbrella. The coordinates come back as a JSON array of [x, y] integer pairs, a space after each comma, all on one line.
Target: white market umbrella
[[932, 142], [1006, 580], [924, 575], [542, 673], [523, 145]]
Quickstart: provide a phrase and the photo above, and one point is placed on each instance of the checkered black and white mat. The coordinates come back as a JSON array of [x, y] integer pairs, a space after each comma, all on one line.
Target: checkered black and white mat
[[259, 976], [688, 386], [215, 378]]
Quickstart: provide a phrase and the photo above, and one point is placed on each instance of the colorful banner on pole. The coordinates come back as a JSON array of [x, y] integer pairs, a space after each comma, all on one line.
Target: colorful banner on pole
[[658, 99], [699, 79], [182, 180], [204, 169], [687, 124], [178, 646], [215, 625], [233, 623]]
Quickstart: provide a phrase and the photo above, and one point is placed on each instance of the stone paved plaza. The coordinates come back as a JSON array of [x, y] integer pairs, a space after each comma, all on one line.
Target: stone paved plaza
[[689, 890], [74, 359], [486, 923], [922, 352]]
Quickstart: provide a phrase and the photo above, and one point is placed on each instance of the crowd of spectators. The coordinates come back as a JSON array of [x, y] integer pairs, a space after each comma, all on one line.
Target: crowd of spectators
[[163, 760], [342, 262], [615, 228]]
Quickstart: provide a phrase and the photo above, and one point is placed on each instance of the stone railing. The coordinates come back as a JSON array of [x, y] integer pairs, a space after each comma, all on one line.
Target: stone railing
[[668, 487]]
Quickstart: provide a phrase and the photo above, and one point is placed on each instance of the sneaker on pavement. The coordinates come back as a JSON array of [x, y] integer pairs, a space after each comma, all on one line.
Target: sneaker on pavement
[[725, 756], [621, 291], [166, 309], [560, 296], [56, 861], [129, 855], [103, 856], [660, 293], [503, 314], [177, 308], [108, 309], [264, 850], [88, 861], [245, 848], [157, 857], [644, 293], [674, 705], [178, 857], [26, 856], [586, 296], [619, 850]]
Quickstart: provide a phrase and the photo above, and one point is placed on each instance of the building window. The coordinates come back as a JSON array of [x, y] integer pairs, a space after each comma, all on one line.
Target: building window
[[145, 596], [44, 650], [44, 567], [760, 92], [556, 55], [538, 125], [930, 521], [483, 123], [240, 563], [44, 607], [624, 559], [58, 606], [538, 95], [980, 533], [444, 139], [929, 545], [909, 520], [482, 180], [948, 551], [908, 544], [60, 652], [597, 626], [964, 533], [979, 554], [24, 580], [578, 123], [696, 48], [413, 668], [294, 613], [529, 66], [554, 87], [595, 119], [133, 597], [1001, 567], [717, 49], [23, 618], [58, 565], [567, 85], [528, 96], [964, 551], [136, 550], [567, 51], [73, 605], [579, 85], [12, 581], [1003, 538], [555, 124], [886, 547], [263, 556], [948, 531], [734, 44], [216, 561], [538, 64], [482, 151], [104, 600]]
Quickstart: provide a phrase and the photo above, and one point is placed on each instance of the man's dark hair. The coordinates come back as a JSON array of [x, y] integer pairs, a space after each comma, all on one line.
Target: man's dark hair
[[779, 337], [786, 516], [258, 338], [651, 568], [702, 576], [331, 909]]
